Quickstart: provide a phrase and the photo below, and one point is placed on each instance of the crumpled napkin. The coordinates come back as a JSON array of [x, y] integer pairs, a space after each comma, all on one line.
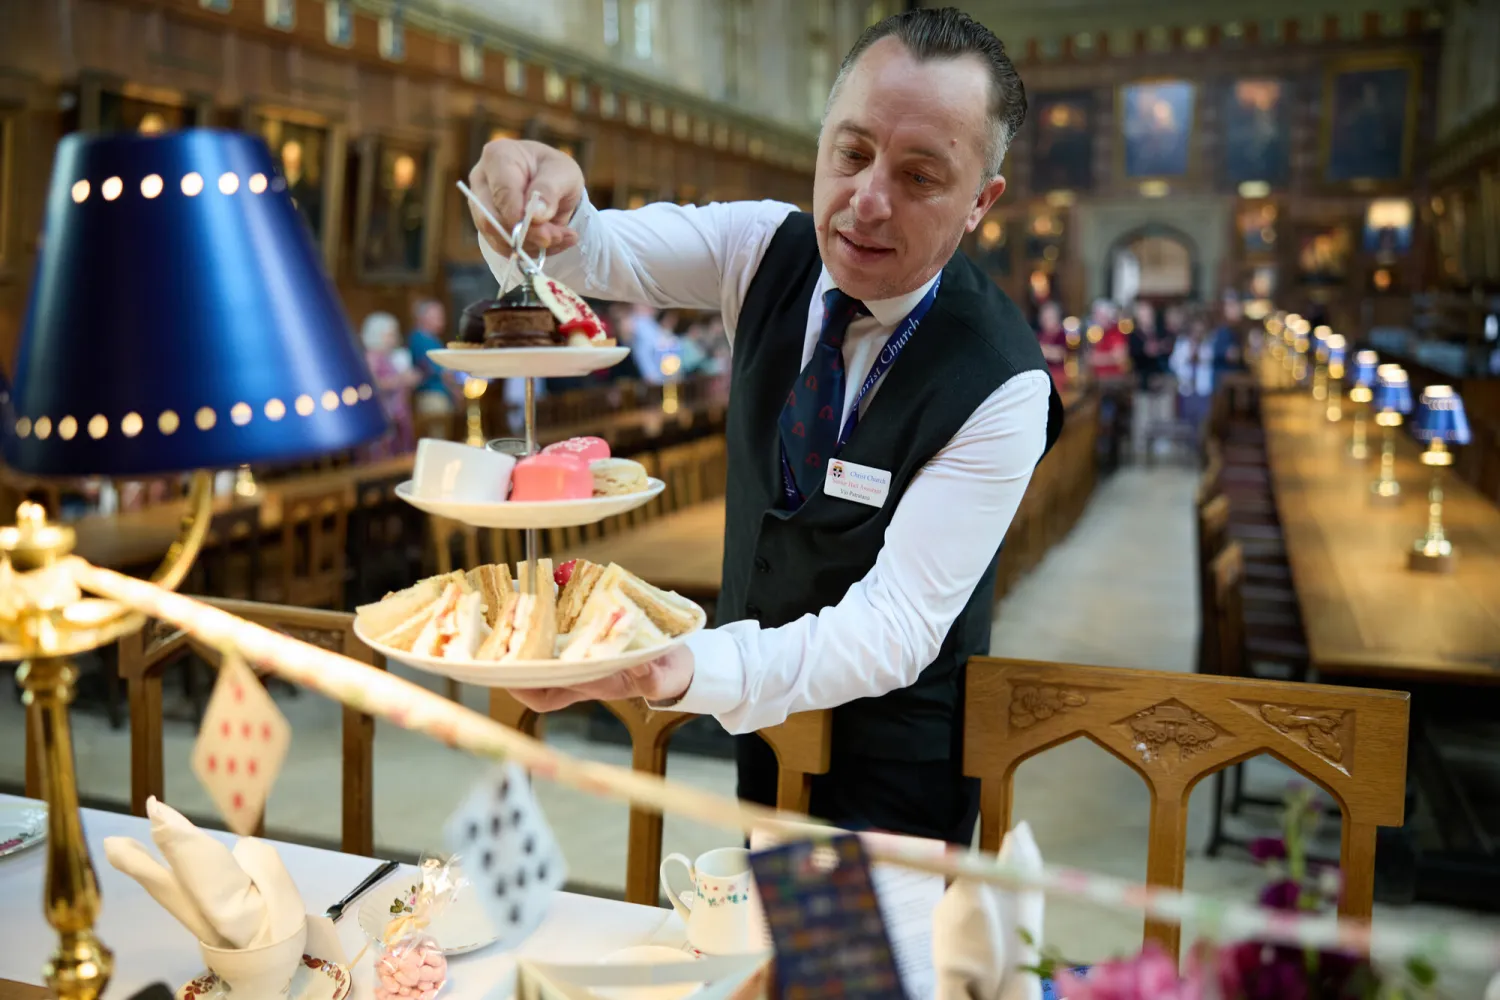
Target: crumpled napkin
[[240, 898], [977, 946]]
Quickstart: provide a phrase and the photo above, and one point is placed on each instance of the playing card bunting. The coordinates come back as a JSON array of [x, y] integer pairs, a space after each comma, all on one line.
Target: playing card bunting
[[508, 852], [241, 744], [382, 694]]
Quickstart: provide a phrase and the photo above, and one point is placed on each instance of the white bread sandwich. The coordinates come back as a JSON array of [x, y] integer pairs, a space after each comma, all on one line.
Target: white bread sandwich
[[501, 629], [457, 629], [587, 590], [610, 632], [398, 618], [578, 578], [525, 626]]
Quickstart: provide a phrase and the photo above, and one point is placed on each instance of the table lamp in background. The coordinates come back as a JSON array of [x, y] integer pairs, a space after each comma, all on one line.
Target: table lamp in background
[[1320, 362], [1289, 330], [1366, 363], [1392, 403], [473, 392], [179, 320], [1440, 421], [1275, 325], [1337, 351], [1299, 354]]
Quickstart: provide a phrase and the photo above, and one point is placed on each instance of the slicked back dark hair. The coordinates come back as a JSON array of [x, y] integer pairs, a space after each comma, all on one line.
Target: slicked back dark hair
[[949, 33]]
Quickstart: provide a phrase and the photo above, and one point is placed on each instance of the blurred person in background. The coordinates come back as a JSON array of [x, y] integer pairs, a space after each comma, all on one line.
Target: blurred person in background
[[1227, 339], [395, 379], [1192, 364], [1151, 354], [437, 393], [1054, 340], [1109, 355]]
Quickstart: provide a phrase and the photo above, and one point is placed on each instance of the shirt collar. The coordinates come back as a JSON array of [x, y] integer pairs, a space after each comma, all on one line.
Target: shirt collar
[[887, 312]]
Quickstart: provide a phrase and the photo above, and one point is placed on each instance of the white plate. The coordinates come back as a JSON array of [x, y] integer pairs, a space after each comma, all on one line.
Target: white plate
[[461, 927], [538, 514], [527, 673], [315, 979], [528, 362], [22, 825]]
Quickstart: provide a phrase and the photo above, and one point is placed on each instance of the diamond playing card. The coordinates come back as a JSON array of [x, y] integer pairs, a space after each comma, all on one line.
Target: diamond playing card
[[509, 853], [241, 745], [825, 921]]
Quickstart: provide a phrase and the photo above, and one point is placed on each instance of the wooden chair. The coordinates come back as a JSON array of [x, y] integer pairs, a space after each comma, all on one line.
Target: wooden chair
[[802, 746], [313, 553], [1176, 729], [145, 655]]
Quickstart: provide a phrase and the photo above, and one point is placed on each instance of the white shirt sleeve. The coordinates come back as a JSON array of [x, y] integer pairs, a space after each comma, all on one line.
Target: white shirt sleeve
[[664, 255], [890, 625]]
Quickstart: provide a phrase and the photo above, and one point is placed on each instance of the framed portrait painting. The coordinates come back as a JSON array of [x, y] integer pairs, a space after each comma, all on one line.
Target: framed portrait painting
[[1369, 120], [1257, 132], [1156, 123], [309, 150], [396, 230], [1062, 150], [111, 105], [1323, 255]]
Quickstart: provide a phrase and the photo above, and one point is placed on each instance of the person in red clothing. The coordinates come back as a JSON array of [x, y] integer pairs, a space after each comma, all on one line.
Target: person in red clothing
[[1109, 354], [1054, 340]]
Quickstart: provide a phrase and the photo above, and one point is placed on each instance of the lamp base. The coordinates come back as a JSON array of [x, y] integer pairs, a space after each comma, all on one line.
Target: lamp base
[[1385, 491], [1440, 558]]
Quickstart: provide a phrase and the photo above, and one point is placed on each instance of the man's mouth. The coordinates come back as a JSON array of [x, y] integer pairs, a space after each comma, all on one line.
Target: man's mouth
[[862, 245]]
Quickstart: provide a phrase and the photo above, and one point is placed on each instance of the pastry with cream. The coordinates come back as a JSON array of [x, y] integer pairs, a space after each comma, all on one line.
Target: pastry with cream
[[618, 476]]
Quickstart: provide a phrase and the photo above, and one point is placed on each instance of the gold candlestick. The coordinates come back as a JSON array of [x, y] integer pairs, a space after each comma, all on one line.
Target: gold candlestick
[[1359, 449], [1433, 552], [1386, 487], [46, 624], [473, 392]]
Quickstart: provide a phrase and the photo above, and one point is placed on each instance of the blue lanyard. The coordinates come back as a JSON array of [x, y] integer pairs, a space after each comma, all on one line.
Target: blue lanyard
[[887, 357]]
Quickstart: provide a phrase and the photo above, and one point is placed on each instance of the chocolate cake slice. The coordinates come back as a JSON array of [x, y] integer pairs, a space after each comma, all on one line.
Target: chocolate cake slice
[[520, 319]]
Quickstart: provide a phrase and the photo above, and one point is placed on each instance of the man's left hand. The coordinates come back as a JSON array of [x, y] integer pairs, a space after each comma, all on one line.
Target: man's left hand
[[665, 678]]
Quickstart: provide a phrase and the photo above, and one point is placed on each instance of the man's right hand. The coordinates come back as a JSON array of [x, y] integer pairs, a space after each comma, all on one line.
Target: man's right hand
[[509, 171]]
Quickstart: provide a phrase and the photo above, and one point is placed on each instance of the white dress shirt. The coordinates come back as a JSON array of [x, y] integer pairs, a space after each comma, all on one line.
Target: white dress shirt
[[946, 527]]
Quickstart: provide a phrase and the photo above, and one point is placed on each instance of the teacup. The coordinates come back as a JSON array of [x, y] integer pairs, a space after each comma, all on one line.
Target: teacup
[[717, 901], [449, 470], [257, 972]]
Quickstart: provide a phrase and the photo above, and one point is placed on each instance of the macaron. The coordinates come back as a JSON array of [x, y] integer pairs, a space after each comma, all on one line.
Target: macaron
[[555, 476], [617, 476], [590, 449]]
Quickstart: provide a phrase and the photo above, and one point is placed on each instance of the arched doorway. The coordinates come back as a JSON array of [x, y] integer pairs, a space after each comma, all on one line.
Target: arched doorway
[[1154, 262]]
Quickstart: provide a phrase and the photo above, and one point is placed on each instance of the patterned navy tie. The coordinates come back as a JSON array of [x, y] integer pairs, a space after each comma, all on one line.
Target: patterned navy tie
[[810, 419]]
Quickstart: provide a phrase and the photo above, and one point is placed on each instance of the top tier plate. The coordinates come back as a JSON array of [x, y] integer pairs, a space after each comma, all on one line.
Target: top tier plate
[[528, 362]]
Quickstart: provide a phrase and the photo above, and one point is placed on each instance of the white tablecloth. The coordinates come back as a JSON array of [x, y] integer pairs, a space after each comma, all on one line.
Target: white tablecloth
[[150, 946]]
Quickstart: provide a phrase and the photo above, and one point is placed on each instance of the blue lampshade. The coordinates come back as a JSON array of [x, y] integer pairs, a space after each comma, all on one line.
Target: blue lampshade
[[1366, 363], [180, 317], [1392, 390], [1337, 350], [1441, 417]]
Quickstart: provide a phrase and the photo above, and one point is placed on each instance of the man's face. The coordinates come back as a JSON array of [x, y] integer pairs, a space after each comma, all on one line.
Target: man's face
[[900, 163], [432, 317]]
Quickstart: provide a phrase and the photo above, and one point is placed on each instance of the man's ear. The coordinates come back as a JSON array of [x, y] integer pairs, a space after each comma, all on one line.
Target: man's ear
[[988, 195]]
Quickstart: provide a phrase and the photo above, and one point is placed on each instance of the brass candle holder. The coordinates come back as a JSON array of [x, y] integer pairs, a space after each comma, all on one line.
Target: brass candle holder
[[473, 392], [1392, 402], [46, 622], [1441, 421], [1336, 347], [1366, 365], [1320, 359]]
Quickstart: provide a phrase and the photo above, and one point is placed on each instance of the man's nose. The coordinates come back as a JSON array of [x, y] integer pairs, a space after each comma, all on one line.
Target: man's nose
[[872, 199]]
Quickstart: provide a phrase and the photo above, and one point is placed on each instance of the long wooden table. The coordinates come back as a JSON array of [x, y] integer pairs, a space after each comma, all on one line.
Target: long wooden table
[[681, 551], [1364, 612]]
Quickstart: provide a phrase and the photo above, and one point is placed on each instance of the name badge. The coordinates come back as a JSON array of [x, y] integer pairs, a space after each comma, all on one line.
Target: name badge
[[859, 483]]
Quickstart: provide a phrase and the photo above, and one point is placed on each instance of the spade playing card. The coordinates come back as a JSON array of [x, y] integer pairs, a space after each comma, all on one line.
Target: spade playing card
[[825, 921], [508, 851], [241, 745]]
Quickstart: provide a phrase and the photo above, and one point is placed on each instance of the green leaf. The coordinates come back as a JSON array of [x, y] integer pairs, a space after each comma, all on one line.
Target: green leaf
[[1422, 971]]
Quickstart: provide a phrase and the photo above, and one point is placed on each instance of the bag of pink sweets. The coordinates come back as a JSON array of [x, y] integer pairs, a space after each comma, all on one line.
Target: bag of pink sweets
[[409, 964]]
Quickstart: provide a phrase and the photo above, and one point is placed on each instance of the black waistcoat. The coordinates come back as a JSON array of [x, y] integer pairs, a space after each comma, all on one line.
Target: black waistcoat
[[780, 565]]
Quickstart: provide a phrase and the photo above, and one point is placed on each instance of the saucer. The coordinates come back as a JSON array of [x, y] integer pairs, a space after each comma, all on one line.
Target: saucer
[[315, 979], [22, 825]]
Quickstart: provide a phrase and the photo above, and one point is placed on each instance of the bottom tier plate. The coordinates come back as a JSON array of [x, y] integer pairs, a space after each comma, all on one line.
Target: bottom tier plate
[[526, 673]]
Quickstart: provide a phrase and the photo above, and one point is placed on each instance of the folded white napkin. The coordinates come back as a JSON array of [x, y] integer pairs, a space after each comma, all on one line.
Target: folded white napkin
[[130, 857], [243, 898], [977, 947]]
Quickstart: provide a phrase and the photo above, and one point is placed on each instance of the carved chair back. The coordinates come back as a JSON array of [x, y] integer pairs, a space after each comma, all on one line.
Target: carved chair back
[[801, 743], [145, 655], [1173, 730]]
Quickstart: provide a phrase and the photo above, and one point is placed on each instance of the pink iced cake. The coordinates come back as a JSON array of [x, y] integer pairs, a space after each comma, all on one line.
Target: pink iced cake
[[590, 449], [551, 476]]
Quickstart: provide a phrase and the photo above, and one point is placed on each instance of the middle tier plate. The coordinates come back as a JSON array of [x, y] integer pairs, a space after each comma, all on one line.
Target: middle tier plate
[[528, 362], [539, 514]]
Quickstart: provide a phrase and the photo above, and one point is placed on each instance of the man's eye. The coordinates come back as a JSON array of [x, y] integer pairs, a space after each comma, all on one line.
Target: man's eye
[[921, 180], [851, 156]]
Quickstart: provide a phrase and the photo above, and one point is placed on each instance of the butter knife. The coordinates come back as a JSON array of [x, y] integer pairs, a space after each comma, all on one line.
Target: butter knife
[[336, 911]]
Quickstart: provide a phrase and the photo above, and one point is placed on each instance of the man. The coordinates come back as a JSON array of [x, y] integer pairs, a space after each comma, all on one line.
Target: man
[[870, 609], [433, 397]]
